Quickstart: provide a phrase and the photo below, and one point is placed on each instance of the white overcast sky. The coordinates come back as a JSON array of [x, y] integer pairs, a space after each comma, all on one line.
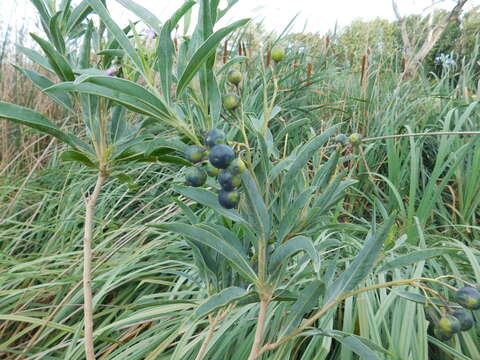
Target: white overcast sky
[[315, 15]]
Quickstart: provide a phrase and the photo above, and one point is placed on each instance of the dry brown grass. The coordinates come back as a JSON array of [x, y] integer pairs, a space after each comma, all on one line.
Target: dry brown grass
[[18, 143]]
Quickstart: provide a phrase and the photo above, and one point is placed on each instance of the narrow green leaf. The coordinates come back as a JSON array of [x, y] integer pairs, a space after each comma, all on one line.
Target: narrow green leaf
[[145, 15], [204, 52], [56, 33], [217, 301], [36, 58], [214, 242], [117, 32], [166, 48], [86, 49], [256, 206], [362, 264], [36, 121], [209, 199], [309, 298], [415, 257], [43, 83], [230, 63], [57, 61], [77, 156], [292, 247], [78, 14], [305, 154], [420, 299], [361, 346]]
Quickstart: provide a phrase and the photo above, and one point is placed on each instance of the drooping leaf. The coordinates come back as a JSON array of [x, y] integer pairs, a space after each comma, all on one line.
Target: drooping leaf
[[147, 17], [361, 265], [309, 298], [210, 199], [415, 257], [77, 156], [217, 301], [42, 83], [207, 238], [361, 346], [291, 247], [33, 119], [36, 57]]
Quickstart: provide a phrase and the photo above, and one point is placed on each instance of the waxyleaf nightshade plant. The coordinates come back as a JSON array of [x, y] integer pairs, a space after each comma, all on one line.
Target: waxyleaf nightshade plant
[[102, 97]]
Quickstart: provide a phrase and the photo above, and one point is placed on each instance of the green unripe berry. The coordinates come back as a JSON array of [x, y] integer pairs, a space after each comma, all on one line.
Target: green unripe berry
[[228, 181], [234, 77], [449, 324], [211, 170], [237, 166], [195, 154], [229, 199], [195, 177], [468, 297], [278, 53], [442, 335], [341, 139], [230, 101], [355, 139], [465, 318]]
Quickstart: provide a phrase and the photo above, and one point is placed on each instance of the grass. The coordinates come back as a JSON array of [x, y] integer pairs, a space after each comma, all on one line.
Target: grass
[[148, 284]]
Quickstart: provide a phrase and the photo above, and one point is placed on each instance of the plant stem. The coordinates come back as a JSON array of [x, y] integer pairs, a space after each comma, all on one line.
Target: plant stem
[[213, 324], [87, 266], [258, 341], [433, 133]]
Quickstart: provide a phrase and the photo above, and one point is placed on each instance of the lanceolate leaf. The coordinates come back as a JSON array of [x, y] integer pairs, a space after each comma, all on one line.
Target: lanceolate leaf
[[363, 347], [415, 257], [309, 298], [72, 155], [230, 63], [36, 58], [256, 206], [305, 154], [132, 89], [214, 242], [117, 33], [217, 301], [56, 34], [42, 83], [144, 14], [129, 94], [166, 48], [58, 63], [203, 53], [208, 198], [36, 121], [361, 265], [292, 247], [86, 47], [78, 14]]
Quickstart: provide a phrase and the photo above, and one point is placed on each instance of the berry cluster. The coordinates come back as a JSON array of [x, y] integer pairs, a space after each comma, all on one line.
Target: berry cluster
[[218, 161], [461, 319]]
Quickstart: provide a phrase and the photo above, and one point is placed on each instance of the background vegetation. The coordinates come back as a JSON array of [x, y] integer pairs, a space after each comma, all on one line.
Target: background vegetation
[[149, 284]]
